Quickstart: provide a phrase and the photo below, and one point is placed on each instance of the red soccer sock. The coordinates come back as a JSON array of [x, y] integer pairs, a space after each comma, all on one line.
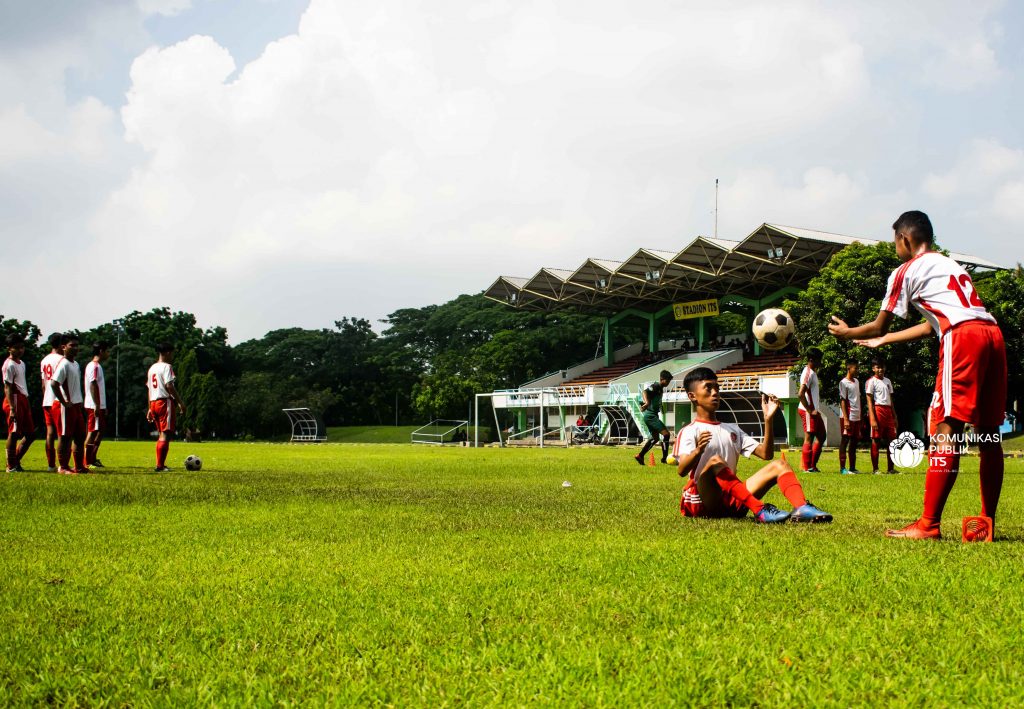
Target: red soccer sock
[[805, 455], [79, 457], [90, 454], [790, 487], [938, 483], [161, 452], [12, 453], [874, 454], [991, 464], [51, 455], [731, 484], [64, 457], [815, 454], [853, 454], [842, 454]]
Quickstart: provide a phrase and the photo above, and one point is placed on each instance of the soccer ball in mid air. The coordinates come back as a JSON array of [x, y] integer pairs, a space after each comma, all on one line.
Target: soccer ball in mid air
[[774, 328], [193, 462]]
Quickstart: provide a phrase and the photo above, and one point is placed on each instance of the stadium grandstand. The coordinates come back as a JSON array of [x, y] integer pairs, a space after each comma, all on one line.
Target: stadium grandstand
[[706, 277]]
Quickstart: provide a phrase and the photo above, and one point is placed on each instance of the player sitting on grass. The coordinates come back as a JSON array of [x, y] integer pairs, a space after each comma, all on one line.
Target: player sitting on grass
[[650, 408], [708, 451]]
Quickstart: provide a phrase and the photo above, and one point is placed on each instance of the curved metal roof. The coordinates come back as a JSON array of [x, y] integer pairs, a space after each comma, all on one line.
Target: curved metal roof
[[770, 257]]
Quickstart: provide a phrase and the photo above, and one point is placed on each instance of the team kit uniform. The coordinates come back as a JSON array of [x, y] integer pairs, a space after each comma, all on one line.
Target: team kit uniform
[[46, 370], [880, 391], [96, 412], [971, 382], [849, 391], [161, 406], [728, 441], [69, 420], [22, 423], [813, 424]]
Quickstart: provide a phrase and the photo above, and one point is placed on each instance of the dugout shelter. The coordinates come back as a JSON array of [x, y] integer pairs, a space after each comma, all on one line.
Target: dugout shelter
[[654, 287]]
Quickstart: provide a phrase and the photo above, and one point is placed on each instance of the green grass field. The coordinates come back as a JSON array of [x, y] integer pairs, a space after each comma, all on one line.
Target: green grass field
[[401, 575]]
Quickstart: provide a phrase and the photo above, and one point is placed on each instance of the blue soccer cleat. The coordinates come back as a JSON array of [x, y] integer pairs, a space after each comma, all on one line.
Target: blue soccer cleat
[[847, 471], [770, 514], [809, 513]]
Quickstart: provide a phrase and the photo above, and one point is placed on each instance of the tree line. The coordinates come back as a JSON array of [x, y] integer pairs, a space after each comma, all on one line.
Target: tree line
[[429, 362]]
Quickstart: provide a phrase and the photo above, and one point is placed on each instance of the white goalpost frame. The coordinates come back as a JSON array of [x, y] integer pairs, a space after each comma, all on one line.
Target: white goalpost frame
[[543, 395], [305, 427], [440, 436]]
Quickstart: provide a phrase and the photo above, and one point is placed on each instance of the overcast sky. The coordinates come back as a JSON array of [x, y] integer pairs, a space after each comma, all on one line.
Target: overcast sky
[[276, 163]]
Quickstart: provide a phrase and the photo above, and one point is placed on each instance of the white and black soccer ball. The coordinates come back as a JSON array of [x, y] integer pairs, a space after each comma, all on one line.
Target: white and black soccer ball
[[774, 328], [193, 462]]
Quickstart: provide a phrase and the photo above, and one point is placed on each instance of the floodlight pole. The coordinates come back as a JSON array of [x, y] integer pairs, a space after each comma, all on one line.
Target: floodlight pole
[[118, 323]]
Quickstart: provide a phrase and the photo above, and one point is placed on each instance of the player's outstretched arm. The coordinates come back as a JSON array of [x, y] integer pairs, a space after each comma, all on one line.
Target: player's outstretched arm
[[769, 407], [918, 332], [875, 328]]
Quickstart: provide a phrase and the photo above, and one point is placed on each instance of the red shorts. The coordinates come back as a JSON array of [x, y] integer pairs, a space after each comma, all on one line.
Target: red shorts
[[812, 424], [48, 417], [96, 420], [163, 415], [852, 429], [22, 424], [885, 417], [971, 383], [69, 420], [692, 506]]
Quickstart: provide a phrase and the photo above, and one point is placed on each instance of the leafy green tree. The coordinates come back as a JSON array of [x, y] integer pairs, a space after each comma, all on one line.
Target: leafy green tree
[[1002, 293], [851, 286]]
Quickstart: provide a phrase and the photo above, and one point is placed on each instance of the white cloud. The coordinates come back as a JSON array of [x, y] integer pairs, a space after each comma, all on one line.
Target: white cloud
[[391, 154]]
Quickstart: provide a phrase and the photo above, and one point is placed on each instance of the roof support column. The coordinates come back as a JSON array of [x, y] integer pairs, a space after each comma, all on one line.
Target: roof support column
[[609, 348]]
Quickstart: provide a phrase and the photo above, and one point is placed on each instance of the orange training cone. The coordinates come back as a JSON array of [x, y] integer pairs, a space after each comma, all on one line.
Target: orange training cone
[[650, 461], [977, 529]]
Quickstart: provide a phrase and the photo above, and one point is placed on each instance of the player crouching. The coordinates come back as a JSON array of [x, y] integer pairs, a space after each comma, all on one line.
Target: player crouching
[[708, 450]]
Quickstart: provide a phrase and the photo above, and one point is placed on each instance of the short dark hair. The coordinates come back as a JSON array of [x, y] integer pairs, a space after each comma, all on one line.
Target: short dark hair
[[164, 348], [665, 374], [814, 354], [14, 339], [69, 337], [100, 346], [878, 361], [55, 340], [851, 360], [916, 224], [700, 374]]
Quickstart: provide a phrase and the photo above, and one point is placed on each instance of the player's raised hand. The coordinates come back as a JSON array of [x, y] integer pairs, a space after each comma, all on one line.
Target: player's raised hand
[[838, 327], [703, 439], [769, 404], [872, 343]]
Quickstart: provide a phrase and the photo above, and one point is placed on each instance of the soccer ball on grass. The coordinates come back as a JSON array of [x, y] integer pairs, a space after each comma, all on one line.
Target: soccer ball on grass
[[193, 462], [774, 328]]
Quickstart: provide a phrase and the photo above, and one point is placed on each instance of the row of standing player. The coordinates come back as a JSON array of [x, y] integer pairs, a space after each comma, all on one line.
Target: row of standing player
[[970, 388], [882, 420], [75, 408]]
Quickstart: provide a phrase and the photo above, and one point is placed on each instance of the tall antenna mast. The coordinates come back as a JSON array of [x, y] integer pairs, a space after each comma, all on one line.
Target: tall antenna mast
[[716, 207]]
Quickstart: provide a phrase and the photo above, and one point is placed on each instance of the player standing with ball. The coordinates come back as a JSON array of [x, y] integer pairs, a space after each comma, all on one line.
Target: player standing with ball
[[164, 402], [972, 376]]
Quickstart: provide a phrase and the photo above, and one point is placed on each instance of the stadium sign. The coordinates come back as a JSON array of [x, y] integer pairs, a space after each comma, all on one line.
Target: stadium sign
[[696, 309]]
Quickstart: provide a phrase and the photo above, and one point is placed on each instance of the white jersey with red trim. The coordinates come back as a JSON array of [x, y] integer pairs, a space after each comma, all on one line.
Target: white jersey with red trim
[[939, 288], [160, 375], [94, 373], [46, 369], [14, 373], [728, 441], [849, 391], [809, 378], [880, 390], [69, 376]]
